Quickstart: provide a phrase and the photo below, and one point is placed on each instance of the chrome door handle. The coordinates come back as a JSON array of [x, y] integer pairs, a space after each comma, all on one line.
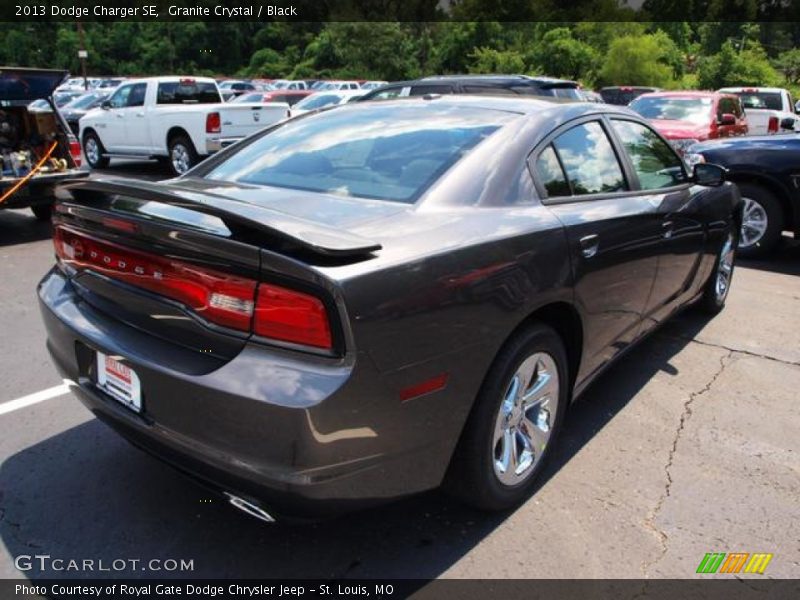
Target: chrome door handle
[[589, 245], [139, 114], [667, 227]]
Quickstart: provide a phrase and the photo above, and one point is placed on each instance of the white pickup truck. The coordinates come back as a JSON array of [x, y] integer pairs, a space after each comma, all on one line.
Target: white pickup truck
[[768, 110], [176, 119]]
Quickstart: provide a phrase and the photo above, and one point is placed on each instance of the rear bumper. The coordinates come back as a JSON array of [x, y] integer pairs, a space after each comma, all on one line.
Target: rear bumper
[[304, 438], [216, 144]]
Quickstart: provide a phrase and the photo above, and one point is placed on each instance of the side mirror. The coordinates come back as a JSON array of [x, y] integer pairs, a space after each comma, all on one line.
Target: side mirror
[[106, 104], [788, 123], [709, 174], [727, 119]]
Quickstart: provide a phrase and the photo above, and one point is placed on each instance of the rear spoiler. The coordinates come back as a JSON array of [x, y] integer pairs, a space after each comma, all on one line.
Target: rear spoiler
[[313, 237]]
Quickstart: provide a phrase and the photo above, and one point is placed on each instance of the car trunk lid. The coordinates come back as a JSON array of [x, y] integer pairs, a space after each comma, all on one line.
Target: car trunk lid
[[20, 84]]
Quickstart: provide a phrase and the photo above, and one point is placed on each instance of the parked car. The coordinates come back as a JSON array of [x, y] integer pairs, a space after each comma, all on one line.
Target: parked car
[[765, 169], [371, 301], [74, 110], [590, 96], [371, 85], [177, 119], [288, 84], [28, 138], [290, 97], [478, 84], [769, 110], [58, 98], [624, 94], [73, 84], [109, 84], [339, 85], [232, 88], [686, 117], [325, 99]]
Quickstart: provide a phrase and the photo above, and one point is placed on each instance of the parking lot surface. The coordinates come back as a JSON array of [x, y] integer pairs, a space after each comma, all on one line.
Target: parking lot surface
[[688, 445]]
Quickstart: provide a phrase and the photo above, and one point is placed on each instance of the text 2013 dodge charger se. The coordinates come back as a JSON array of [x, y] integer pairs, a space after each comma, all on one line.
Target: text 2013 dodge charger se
[[368, 302]]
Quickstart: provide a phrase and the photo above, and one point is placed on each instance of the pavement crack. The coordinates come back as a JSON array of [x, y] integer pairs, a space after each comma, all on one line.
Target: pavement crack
[[650, 520], [684, 338]]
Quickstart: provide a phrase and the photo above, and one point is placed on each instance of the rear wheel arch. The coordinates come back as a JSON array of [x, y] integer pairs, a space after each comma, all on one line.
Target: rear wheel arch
[[177, 131]]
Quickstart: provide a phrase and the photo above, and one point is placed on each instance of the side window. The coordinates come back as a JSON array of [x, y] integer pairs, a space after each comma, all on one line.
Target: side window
[[486, 89], [120, 97], [136, 97], [421, 90], [388, 94], [655, 162], [589, 160], [550, 174], [725, 106]]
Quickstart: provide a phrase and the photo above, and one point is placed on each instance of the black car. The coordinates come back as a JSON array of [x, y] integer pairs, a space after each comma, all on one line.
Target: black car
[[478, 84], [365, 303], [73, 111], [624, 94], [766, 171], [37, 149]]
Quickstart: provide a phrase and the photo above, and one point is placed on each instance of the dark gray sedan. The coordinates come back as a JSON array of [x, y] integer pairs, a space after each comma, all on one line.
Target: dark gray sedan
[[368, 302]]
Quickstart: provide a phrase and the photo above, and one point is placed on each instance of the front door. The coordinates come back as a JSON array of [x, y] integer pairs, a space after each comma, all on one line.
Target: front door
[[612, 233]]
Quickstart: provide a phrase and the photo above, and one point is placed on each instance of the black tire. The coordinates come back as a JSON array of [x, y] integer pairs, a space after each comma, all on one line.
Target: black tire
[[191, 157], [471, 476], [99, 161], [771, 207], [42, 212], [713, 299]]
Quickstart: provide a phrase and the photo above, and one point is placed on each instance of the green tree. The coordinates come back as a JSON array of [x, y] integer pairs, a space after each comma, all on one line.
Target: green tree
[[788, 63], [559, 54], [730, 67], [489, 60], [638, 60]]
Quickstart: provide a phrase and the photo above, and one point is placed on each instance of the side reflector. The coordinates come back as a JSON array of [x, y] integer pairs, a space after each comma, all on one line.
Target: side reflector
[[426, 387]]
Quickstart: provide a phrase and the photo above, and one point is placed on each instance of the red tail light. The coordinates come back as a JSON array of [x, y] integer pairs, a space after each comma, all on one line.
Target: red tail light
[[772, 126], [283, 314], [75, 150], [213, 123], [267, 310]]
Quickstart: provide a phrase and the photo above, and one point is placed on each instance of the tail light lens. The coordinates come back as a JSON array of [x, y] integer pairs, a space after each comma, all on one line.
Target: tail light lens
[[213, 123], [772, 126], [269, 311], [291, 316], [75, 150]]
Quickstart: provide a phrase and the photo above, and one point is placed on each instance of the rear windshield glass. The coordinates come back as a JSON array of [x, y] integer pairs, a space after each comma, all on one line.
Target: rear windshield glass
[[392, 153], [672, 108], [768, 100], [176, 92]]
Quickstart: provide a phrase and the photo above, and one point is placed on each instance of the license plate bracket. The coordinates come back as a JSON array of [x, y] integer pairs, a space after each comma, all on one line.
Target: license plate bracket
[[119, 381]]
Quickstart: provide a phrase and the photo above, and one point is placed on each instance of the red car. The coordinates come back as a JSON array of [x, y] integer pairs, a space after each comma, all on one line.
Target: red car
[[685, 118]]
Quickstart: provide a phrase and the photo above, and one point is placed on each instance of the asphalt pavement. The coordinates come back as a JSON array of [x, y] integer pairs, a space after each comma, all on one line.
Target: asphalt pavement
[[689, 445]]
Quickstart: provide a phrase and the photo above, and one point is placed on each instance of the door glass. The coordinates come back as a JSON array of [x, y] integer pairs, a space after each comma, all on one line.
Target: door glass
[[120, 97], [589, 160], [136, 96], [421, 90], [654, 161], [550, 174]]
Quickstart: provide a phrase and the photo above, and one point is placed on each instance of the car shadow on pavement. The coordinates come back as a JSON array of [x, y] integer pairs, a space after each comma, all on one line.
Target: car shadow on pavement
[[149, 170], [19, 226], [85, 493], [785, 260]]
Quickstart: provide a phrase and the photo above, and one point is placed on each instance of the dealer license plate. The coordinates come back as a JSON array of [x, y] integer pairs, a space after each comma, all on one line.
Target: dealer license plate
[[119, 381]]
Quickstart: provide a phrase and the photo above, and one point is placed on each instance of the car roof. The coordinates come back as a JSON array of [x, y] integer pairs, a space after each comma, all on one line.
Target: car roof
[[751, 88], [683, 93]]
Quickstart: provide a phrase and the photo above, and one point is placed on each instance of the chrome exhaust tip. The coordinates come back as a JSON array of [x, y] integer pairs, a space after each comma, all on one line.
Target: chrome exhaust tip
[[249, 508]]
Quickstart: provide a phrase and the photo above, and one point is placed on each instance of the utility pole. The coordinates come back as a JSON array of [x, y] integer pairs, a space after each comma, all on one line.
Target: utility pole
[[82, 54]]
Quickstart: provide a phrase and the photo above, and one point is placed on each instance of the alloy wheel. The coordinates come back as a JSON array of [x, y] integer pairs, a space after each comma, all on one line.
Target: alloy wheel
[[525, 419], [180, 158], [754, 223], [92, 151], [725, 268]]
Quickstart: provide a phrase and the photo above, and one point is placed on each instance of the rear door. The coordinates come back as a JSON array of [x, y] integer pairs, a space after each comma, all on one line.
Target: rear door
[[611, 230], [662, 178]]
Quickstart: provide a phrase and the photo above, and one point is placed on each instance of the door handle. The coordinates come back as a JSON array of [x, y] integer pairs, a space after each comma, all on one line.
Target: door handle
[[589, 245], [139, 114], [120, 115], [667, 227]]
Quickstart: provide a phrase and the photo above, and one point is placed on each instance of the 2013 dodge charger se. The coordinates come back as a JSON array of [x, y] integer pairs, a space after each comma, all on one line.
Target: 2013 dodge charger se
[[371, 301]]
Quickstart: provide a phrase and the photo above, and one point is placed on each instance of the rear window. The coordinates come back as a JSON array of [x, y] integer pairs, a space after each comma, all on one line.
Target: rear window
[[768, 100], [179, 92], [391, 154]]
